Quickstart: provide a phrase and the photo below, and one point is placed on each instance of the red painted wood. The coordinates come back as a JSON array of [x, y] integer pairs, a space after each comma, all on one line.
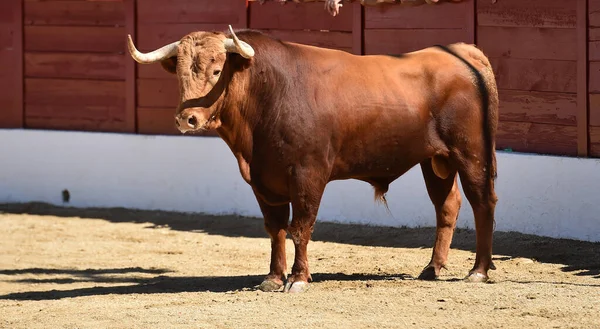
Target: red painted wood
[[582, 78], [405, 40], [75, 104], [96, 13], [527, 13], [594, 80], [537, 138], [152, 36], [299, 16], [75, 66], [444, 15], [595, 142], [594, 104], [11, 57], [358, 22], [527, 42], [192, 11], [75, 39], [130, 69], [334, 40], [538, 107], [157, 93], [594, 13], [536, 75]]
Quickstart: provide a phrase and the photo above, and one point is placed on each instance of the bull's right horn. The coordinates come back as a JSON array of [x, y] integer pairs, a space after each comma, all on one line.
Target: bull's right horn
[[157, 55]]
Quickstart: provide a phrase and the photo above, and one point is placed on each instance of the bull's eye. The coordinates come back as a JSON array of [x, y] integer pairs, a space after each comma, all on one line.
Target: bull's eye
[[217, 72]]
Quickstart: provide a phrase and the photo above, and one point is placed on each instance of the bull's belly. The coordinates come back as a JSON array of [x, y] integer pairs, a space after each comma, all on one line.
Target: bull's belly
[[385, 163]]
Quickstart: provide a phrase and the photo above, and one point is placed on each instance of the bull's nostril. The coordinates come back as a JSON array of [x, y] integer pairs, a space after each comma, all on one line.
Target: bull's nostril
[[192, 122]]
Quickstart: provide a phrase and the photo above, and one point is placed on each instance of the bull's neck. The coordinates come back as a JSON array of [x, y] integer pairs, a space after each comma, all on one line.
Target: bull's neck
[[238, 120]]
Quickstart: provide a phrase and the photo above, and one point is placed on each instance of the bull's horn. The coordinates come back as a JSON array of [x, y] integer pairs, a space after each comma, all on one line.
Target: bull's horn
[[235, 45], [157, 55]]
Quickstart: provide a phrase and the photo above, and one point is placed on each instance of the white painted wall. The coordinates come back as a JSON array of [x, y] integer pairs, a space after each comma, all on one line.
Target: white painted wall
[[543, 195]]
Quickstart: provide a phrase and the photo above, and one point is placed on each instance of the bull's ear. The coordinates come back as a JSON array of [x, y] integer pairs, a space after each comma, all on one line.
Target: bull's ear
[[169, 64]]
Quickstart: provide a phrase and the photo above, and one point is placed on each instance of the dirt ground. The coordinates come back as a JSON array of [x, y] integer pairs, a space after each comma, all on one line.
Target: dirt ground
[[118, 268]]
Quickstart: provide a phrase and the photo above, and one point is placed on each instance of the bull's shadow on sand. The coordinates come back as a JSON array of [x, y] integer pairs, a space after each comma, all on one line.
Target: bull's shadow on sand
[[132, 283], [581, 258]]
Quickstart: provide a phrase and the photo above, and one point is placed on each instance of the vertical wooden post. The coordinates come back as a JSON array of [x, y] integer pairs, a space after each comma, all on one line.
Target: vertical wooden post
[[471, 24], [358, 28], [12, 113], [246, 15], [582, 79], [130, 69], [19, 55]]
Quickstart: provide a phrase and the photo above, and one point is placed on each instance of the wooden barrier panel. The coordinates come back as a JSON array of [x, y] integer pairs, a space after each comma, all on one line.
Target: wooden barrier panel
[[306, 23], [11, 57], [533, 48], [75, 69], [397, 29]]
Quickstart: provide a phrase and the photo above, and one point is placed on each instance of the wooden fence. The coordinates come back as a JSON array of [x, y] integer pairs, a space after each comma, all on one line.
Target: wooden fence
[[65, 64]]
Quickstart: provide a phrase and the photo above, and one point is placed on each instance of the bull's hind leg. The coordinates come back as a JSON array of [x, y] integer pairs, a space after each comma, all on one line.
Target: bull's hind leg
[[479, 190], [276, 222], [442, 187]]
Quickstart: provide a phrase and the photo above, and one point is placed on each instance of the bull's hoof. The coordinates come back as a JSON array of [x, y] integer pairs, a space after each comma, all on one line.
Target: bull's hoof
[[429, 274], [476, 277], [270, 285], [296, 287]]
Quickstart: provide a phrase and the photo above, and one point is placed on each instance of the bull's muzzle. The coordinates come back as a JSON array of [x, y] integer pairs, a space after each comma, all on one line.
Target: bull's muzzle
[[186, 122]]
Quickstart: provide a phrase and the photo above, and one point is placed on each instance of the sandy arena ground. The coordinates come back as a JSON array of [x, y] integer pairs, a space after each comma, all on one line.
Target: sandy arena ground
[[118, 268]]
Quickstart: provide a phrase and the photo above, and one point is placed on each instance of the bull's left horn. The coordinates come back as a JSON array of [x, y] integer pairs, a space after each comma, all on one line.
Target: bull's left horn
[[235, 45], [157, 55]]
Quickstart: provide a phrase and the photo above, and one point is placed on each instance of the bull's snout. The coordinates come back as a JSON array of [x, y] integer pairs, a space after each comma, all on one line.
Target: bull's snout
[[186, 123]]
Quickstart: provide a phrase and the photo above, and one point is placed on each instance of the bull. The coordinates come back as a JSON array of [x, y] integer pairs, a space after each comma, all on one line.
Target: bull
[[297, 117]]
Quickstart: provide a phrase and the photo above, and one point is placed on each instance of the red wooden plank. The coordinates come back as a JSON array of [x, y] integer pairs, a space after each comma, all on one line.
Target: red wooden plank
[[532, 13], [538, 107], [334, 40], [403, 41], [594, 105], [130, 69], [75, 104], [70, 38], [192, 11], [157, 93], [6, 36], [582, 78], [444, 15], [97, 13], [358, 23], [536, 75], [152, 36], [157, 121], [537, 138], [299, 16], [594, 77], [161, 121], [75, 65], [11, 57], [528, 42], [595, 141], [594, 13]]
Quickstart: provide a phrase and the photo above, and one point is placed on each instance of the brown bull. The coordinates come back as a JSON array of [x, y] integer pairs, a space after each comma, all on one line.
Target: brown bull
[[297, 117]]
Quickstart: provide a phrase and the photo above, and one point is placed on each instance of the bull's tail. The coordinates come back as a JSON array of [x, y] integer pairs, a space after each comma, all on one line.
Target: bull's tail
[[488, 92]]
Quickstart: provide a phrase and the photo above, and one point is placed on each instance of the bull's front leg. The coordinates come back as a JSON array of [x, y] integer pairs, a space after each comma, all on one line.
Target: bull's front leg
[[306, 197], [276, 222]]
